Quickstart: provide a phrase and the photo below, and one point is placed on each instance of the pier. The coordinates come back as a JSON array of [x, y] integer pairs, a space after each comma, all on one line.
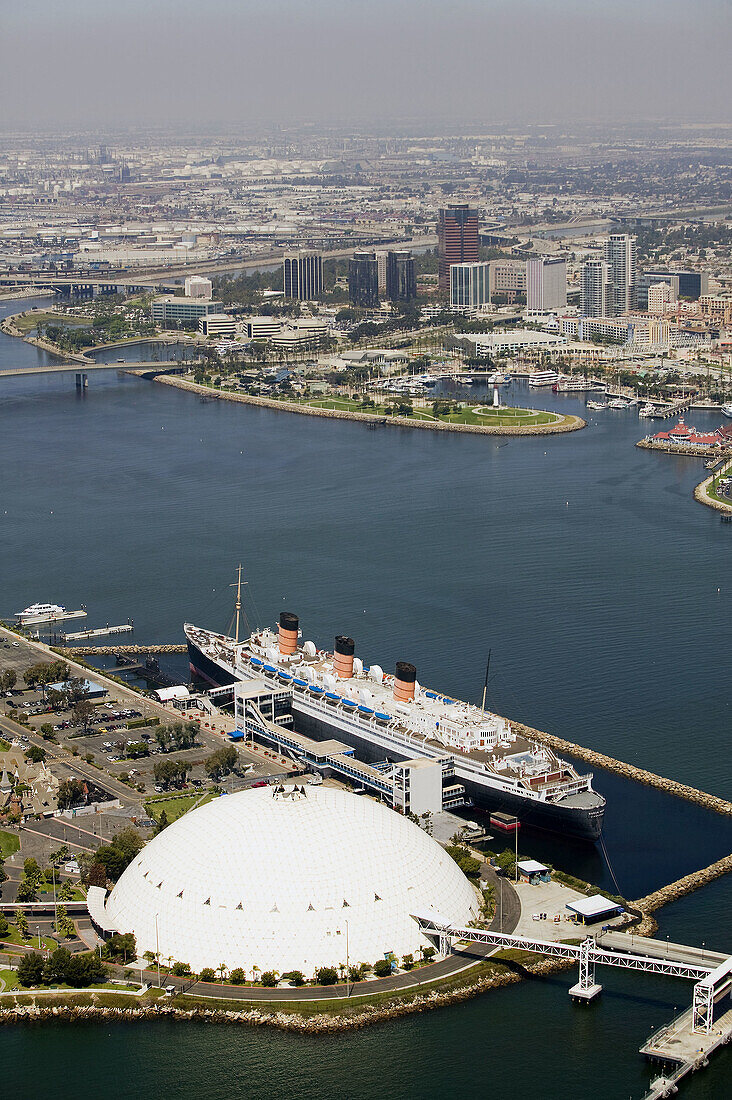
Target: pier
[[672, 410], [688, 1040], [99, 632]]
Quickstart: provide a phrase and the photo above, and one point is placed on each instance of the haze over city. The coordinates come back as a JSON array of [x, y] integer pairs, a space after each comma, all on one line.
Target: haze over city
[[182, 63]]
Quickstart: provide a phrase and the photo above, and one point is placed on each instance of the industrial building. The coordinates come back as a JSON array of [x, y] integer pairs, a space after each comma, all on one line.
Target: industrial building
[[285, 878]]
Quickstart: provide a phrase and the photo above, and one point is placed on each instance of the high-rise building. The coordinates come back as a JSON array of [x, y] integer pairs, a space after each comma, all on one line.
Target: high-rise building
[[363, 280], [661, 297], [303, 275], [687, 284], [382, 260], [457, 238], [469, 285], [596, 288], [507, 280], [401, 280], [620, 255], [546, 284]]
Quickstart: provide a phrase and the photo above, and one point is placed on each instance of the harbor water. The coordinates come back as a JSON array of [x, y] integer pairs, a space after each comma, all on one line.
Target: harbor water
[[581, 562]]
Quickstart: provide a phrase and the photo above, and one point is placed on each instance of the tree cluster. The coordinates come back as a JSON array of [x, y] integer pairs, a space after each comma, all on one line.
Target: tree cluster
[[178, 736], [221, 762], [467, 863], [121, 947], [62, 968], [109, 861], [171, 773], [72, 792]]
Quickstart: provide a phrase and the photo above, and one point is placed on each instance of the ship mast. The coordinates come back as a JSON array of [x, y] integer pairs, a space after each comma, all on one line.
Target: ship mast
[[238, 603], [485, 682]]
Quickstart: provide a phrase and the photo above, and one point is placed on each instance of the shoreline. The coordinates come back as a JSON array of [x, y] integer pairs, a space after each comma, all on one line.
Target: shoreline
[[702, 496], [569, 423]]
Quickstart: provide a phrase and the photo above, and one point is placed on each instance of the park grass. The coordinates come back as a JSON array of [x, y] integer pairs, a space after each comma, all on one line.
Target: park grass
[[30, 321], [712, 492], [13, 936], [476, 415], [10, 978], [175, 805], [9, 843], [46, 891]]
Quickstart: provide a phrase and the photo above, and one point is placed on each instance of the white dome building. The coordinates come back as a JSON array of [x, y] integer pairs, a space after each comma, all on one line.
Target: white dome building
[[279, 882]]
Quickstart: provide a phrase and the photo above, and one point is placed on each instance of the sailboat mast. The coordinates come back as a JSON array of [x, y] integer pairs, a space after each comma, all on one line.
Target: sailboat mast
[[238, 603]]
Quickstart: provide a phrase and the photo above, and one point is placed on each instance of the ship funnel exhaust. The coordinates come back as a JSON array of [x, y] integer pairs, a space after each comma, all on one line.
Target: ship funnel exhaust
[[343, 657], [289, 625], [404, 681]]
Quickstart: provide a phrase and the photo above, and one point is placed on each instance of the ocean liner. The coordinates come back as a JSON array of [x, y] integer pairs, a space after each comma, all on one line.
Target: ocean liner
[[393, 717]]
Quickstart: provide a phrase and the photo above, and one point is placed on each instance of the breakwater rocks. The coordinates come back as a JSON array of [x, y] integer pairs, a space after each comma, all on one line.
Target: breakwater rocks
[[688, 449], [702, 496], [320, 1023], [686, 885], [629, 771], [567, 424]]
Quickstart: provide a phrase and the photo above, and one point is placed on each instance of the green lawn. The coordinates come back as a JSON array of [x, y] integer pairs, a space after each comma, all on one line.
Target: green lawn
[[485, 415], [175, 805], [47, 891], [9, 843], [9, 979], [42, 317], [14, 936], [725, 471], [4, 745]]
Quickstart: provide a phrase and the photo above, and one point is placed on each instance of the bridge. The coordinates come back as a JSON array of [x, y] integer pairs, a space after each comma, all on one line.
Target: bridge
[[143, 368], [687, 1041]]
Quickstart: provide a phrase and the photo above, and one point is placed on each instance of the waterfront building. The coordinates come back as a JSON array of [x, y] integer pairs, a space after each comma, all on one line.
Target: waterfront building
[[300, 335], [486, 345], [197, 286], [546, 284], [507, 279], [363, 280], [619, 253], [285, 878], [217, 324], [401, 281], [262, 328], [469, 286], [595, 288], [457, 239], [171, 311], [302, 274], [683, 435]]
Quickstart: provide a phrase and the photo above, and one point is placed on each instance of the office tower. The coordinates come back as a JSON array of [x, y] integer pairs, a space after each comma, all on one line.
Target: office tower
[[457, 239], [546, 284], [303, 275], [401, 281], [363, 280], [382, 260], [469, 285], [687, 284], [196, 286], [507, 279], [620, 255], [596, 288]]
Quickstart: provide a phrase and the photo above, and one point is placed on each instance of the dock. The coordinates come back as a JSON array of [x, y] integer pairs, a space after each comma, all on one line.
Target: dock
[[678, 1043], [99, 632], [672, 410], [36, 620]]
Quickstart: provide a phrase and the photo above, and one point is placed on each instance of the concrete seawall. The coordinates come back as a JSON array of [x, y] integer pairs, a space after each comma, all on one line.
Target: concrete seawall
[[629, 771], [569, 424]]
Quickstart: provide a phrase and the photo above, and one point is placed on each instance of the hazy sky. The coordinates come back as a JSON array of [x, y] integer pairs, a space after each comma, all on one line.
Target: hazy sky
[[76, 63]]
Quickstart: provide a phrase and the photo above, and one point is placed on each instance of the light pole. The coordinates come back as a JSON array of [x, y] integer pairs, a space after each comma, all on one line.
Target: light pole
[[347, 963], [157, 948]]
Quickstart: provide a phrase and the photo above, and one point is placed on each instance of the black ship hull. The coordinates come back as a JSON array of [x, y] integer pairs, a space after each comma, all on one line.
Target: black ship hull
[[573, 821]]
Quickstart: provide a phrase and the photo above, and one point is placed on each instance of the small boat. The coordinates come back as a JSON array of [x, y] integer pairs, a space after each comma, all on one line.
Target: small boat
[[618, 403], [36, 609], [544, 378], [727, 411], [596, 405], [647, 410]]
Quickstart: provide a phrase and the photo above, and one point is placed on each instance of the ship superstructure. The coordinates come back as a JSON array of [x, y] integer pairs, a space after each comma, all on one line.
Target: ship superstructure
[[386, 716]]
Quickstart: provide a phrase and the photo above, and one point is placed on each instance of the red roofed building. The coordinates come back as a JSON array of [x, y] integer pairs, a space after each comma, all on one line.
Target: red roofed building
[[684, 435]]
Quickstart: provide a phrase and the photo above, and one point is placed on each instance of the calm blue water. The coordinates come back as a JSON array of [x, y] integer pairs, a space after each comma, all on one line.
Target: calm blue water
[[583, 563]]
